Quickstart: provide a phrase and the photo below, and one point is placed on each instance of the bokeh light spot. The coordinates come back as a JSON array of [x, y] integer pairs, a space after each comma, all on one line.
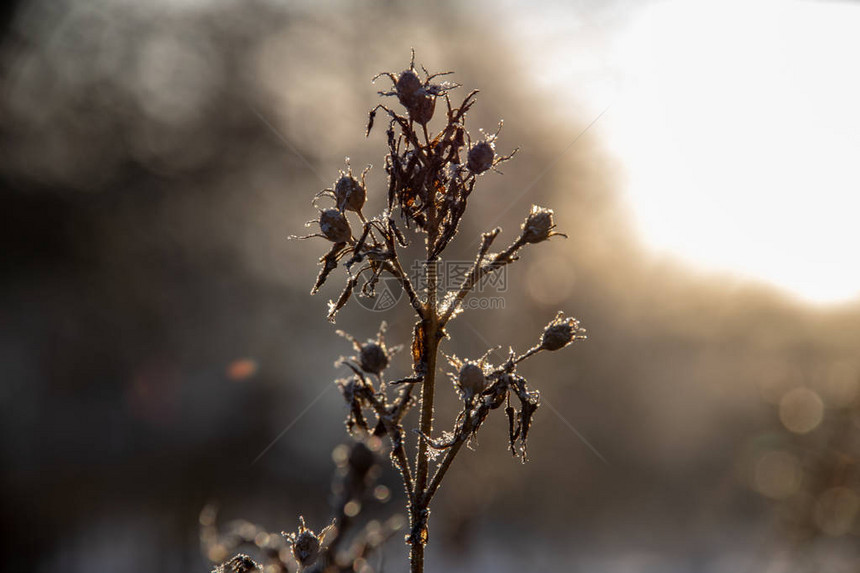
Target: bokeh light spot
[[352, 508], [241, 369], [382, 493], [801, 410]]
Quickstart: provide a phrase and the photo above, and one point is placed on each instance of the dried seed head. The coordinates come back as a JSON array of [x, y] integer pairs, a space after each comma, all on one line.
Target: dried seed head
[[481, 157], [561, 332], [407, 86], [306, 544], [471, 379], [334, 226], [538, 226], [306, 548], [240, 563], [372, 358], [422, 108], [418, 101], [349, 193]]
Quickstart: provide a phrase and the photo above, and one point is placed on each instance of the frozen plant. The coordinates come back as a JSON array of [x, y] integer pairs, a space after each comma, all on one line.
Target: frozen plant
[[430, 178]]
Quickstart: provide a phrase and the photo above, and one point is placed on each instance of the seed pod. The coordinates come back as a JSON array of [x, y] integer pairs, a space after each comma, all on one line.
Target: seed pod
[[306, 544], [240, 563], [538, 225], [372, 358], [334, 226], [471, 379], [349, 193], [422, 108], [560, 332], [407, 86], [496, 394], [481, 157], [306, 548]]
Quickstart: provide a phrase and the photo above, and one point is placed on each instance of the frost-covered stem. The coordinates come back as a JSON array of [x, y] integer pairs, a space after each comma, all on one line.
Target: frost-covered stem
[[428, 386], [400, 406], [427, 397], [395, 268], [479, 271], [441, 470], [528, 353], [398, 452]]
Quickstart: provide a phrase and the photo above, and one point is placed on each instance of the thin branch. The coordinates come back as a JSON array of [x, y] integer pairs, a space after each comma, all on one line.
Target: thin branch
[[442, 470], [398, 448], [479, 271], [528, 353], [395, 268], [400, 406], [431, 327]]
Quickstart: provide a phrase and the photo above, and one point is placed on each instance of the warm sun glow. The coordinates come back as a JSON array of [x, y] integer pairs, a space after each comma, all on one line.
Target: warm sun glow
[[738, 124]]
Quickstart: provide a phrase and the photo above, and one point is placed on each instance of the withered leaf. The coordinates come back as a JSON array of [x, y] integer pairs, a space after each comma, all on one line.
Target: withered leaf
[[513, 431], [342, 299], [329, 262], [418, 349]]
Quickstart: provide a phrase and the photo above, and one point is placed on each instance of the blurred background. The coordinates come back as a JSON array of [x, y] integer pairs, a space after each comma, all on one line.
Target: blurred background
[[156, 332]]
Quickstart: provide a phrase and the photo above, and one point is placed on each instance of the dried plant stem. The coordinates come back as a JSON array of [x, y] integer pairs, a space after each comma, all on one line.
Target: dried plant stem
[[403, 464], [479, 270], [430, 180], [428, 388], [450, 454], [397, 270]]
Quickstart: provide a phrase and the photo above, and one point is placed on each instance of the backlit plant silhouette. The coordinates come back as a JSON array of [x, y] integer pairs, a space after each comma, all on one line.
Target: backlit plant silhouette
[[431, 177]]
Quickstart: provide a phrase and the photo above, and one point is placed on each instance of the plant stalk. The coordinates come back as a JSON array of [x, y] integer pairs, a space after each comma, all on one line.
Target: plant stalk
[[428, 387]]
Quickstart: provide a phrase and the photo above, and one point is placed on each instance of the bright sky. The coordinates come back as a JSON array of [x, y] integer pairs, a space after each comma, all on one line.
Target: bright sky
[[737, 123]]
